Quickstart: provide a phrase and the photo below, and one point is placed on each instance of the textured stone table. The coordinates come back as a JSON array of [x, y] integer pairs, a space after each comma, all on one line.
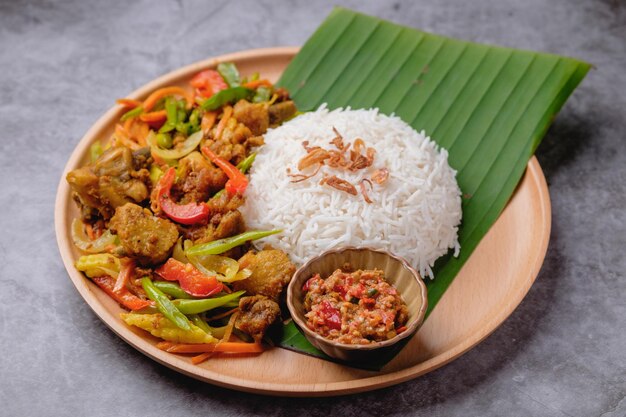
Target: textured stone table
[[561, 353]]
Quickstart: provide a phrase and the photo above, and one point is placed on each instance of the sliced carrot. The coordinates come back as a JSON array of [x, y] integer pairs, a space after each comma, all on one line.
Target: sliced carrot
[[208, 121], [219, 316], [226, 347], [257, 83], [196, 360], [126, 273], [228, 111], [129, 103], [153, 98], [90, 233], [153, 117]]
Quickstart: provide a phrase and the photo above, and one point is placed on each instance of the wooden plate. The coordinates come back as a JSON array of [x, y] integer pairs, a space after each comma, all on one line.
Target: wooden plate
[[489, 287]]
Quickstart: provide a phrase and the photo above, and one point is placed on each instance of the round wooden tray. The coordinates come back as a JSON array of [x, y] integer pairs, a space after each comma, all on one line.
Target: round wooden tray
[[488, 288]]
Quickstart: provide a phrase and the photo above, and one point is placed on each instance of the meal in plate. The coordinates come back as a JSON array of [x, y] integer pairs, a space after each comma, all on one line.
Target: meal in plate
[[171, 204]]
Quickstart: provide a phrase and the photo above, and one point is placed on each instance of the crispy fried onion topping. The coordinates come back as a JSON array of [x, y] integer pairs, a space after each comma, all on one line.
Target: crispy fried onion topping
[[340, 184], [342, 158]]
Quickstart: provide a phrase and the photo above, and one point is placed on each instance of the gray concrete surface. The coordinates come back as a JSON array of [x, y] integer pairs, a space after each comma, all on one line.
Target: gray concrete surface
[[561, 353]]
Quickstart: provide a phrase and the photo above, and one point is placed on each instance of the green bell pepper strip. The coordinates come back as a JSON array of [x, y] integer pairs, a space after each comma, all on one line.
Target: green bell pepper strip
[[245, 165], [229, 73], [171, 109], [164, 305], [199, 322], [222, 245], [200, 306], [173, 289], [131, 113], [223, 97]]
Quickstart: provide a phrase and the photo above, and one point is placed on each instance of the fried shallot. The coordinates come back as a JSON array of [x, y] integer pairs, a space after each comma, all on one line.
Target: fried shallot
[[339, 184], [380, 175]]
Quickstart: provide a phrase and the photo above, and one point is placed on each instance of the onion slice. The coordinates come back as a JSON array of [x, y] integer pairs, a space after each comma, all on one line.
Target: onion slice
[[188, 146], [83, 243]]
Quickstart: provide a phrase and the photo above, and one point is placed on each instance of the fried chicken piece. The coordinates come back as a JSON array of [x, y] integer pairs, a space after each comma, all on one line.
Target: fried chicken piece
[[271, 272], [144, 237], [257, 313], [254, 115], [220, 226]]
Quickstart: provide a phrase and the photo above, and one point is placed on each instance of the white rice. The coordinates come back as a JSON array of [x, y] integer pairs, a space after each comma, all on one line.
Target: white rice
[[415, 214]]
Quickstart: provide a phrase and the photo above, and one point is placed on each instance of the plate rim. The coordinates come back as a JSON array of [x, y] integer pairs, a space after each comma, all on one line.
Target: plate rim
[[533, 171]]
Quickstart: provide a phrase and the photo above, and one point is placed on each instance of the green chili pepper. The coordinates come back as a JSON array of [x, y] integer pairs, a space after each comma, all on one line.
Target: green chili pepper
[[229, 73], [263, 93], [171, 110], [199, 321], [245, 165], [95, 151], [173, 289], [223, 97], [200, 306], [222, 245], [372, 292], [164, 305], [182, 128], [194, 119], [131, 113]]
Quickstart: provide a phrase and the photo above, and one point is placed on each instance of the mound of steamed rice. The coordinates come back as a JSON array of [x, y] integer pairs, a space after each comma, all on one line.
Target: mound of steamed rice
[[415, 213]]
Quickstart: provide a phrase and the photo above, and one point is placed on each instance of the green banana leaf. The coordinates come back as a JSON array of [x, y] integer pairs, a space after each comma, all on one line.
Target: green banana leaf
[[488, 106]]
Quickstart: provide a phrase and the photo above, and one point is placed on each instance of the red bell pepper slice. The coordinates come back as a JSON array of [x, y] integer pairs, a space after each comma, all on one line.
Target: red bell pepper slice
[[332, 317], [122, 296], [190, 213], [208, 82], [191, 280], [237, 181]]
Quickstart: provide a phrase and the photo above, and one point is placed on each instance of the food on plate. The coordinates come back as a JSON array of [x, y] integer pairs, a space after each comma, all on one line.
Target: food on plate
[[356, 178], [160, 227], [354, 307]]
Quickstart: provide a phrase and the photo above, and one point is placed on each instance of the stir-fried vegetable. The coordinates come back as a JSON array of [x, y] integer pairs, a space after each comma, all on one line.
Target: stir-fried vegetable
[[208, 83], [190, 213], [230, 95], [159, 325], [225, 347], [122, 295], [190, 279], [262, 94], [161, 93], [83, 243], [164, 305], [158, 166], [245, 165], [200, 306], [229, 73], [222, 245], [172, 289], [98, 265], [131, 114], [188, 146], [237, 181]]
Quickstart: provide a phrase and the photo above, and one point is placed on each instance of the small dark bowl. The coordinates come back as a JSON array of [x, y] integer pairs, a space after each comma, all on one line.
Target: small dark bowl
[[397, 272]]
